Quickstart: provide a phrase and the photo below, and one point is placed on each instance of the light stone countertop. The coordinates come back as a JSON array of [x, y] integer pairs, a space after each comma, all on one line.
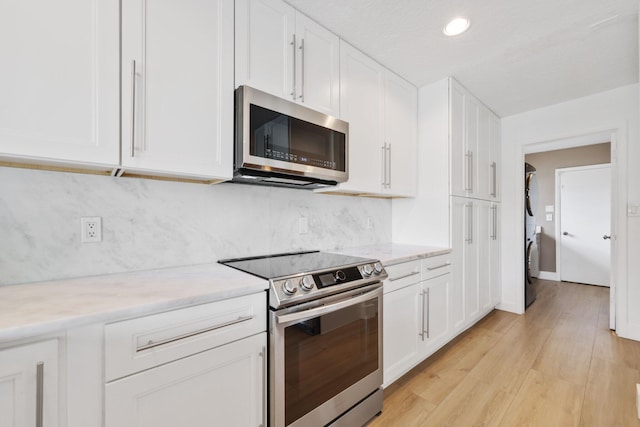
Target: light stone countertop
[[29, 310], [395, 253]]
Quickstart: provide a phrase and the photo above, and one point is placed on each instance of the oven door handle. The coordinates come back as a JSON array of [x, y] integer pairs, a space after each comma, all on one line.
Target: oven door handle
[[319, 311]]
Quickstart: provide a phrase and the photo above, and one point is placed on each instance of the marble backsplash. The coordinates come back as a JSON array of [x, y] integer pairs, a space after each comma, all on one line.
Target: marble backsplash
[[153, 224]]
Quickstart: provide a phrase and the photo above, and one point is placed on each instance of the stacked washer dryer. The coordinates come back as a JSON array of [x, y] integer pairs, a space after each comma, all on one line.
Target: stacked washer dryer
[[530, 241]]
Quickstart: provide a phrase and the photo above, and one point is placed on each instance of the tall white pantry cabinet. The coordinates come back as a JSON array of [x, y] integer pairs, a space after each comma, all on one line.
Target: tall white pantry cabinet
[[458, 202]]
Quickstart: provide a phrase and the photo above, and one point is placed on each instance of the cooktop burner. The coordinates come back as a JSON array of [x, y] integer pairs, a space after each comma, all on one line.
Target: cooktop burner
[[303, 276]]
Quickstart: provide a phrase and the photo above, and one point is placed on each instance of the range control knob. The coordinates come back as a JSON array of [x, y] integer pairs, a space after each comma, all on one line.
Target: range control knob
[[306, 283], [367, 270], [377, 268], [289, 288], [339, 276]]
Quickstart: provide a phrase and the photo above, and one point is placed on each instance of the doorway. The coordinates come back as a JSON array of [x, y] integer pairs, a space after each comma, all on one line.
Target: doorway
[[603, 142], [583, 200]]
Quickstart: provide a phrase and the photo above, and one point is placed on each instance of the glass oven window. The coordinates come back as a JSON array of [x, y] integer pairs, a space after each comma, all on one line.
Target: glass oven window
[[327, 354], [280, 137]]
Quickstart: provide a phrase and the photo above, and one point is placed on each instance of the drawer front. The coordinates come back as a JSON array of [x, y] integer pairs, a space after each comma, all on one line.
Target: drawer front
[[436, 266], [401, 275], [138, 344]]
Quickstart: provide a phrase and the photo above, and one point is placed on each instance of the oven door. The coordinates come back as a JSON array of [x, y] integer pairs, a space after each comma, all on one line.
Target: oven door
[[326, 356]]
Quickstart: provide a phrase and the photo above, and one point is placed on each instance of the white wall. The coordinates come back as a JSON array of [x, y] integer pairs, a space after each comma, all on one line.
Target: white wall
[[152, 224], [615, 111]]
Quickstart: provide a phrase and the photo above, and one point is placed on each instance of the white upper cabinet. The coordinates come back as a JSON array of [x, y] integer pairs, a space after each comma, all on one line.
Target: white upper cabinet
[[281, 51], [400, 119], [475, 146], [381, 110], [177, 88], [362, 106], [264, 33], [60, 82], [317, 67]]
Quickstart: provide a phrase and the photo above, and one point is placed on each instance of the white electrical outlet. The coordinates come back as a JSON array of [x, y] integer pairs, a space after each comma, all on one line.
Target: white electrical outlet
[[90, 229], [369, 223]]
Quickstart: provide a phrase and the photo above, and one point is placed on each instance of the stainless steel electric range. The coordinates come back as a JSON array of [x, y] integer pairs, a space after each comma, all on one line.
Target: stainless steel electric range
[[325, 337]]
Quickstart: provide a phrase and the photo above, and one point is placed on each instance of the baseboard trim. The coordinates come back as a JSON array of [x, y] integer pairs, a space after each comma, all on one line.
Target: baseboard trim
[[510, 307], [549, 275]]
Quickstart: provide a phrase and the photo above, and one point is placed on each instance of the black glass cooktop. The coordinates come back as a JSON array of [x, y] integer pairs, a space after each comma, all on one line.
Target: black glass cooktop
[[282, 265]]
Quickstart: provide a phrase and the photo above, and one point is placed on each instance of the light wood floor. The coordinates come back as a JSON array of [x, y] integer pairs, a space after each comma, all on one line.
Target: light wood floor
[[557, 365]]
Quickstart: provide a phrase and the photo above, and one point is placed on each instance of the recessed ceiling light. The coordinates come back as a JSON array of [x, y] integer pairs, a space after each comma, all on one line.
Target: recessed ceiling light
[[456, 26]]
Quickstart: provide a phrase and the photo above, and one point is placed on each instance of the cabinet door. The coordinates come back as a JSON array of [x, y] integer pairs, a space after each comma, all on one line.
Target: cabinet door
[[361, 104], [484, 161], [265, 46], [472, 144], [401, 329], [458, 243], [177, 87], [400, 135], [60, 80], [471, 260], [24, 371], [318, 67], [459, 159], [494, 165], [436, 291], [485, 234], [494, 251], [465, 281], [220, 387]]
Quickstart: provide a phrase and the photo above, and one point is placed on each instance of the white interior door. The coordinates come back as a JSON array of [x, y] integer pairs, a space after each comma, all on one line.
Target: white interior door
[[585, 224]]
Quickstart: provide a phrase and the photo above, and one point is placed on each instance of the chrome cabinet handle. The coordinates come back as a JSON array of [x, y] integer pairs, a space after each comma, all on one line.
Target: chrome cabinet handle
[[605, 237], [302, 70], [469, 238], [565, 233], [428, 310], [439, 266], [404, 276], [469, 157], [133, 108], [494, 177], [384, 165], [152, 344], [263, 354], [494, 222], [389, 166], [39, 393], [293, 92], [422, 333]]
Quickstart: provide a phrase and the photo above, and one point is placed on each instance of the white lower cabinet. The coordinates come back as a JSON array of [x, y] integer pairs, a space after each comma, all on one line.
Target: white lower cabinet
[[401, 325], [416, 316], [197, 366], [224, 386], [29, 385], [436, 311]]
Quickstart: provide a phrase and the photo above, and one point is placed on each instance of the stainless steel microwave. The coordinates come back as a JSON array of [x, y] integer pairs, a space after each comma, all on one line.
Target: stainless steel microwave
[[281, 143]]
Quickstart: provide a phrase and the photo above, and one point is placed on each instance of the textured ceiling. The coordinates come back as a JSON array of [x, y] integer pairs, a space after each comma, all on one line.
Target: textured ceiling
[[516, 56]]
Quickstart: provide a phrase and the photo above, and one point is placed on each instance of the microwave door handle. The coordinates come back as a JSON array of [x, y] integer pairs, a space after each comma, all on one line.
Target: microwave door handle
[[319, 311]]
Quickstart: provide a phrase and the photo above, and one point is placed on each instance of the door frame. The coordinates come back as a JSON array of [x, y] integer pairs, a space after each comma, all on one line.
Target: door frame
[[616, 134], [558, 209]]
